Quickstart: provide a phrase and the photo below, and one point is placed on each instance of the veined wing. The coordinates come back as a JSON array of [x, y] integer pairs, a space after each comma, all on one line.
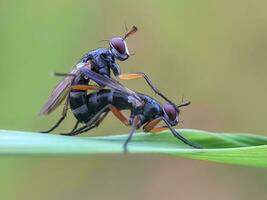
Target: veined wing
[[111, 83], [59, 93]]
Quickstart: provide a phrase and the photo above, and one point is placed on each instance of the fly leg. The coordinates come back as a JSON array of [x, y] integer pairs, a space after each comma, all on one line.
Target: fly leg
[[65, 109], [97, 119], [63, 116], [55, 126], [136, 75], [125, 120], [151, 124], [88, 126], [152, 127], [117, 113], [85, 88], [179, 136], [73, 129], [92, 123], [158, 129], [75, 126], [136, 121]]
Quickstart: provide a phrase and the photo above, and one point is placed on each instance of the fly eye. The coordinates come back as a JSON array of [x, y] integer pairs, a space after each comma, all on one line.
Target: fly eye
[[170, 111], [118, 44]]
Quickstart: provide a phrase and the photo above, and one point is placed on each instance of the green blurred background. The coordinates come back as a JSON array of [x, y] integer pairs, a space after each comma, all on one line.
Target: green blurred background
[[210, 52]]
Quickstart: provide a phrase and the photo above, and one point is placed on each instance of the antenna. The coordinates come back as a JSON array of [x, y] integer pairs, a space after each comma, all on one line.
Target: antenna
[[133, 30]]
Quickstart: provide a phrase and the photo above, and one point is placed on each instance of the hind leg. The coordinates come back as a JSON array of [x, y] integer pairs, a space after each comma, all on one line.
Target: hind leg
[[99, 117], [63, 116], [66, 104], [73, 129], [88, 126]]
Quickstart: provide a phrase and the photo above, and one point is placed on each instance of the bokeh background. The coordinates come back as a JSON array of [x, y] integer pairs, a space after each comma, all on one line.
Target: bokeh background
[[213, 53]]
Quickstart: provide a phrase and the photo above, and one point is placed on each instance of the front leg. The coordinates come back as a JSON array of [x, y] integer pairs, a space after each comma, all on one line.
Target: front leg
[[179, 136], [151, 124], [137, 75]]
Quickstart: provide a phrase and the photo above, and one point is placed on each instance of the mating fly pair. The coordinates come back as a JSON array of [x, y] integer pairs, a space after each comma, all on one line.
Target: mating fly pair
[[92, 108]]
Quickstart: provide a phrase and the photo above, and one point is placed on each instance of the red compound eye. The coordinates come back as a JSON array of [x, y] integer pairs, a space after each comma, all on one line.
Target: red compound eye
[[118, 44], [170, 111]]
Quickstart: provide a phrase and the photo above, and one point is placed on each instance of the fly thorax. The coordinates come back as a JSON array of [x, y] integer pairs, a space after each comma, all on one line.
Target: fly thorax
[[135, 103]]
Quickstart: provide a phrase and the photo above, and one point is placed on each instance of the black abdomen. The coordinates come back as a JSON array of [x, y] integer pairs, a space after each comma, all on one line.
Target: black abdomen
[[78, 106], [98, 100], [84, 106], [78, 99]]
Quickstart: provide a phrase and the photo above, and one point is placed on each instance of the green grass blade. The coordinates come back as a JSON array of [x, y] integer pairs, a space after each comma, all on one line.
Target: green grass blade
[[243, 149]]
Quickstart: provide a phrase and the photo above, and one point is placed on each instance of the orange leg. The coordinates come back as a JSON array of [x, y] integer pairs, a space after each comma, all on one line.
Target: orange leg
[[85, 87], [158, 129], [151, 124], [136, 75], [131, 76], [120, 115]]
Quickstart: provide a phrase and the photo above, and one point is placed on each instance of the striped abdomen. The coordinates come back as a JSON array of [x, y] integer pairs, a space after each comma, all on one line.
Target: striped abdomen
[[78, 100]]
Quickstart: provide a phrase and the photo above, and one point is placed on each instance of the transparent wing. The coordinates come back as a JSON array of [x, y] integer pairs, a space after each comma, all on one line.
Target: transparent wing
[[109, 82], [59, 93]]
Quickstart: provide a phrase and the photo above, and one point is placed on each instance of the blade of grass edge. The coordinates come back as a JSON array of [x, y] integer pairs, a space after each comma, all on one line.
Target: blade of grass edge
[[242, 149]]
